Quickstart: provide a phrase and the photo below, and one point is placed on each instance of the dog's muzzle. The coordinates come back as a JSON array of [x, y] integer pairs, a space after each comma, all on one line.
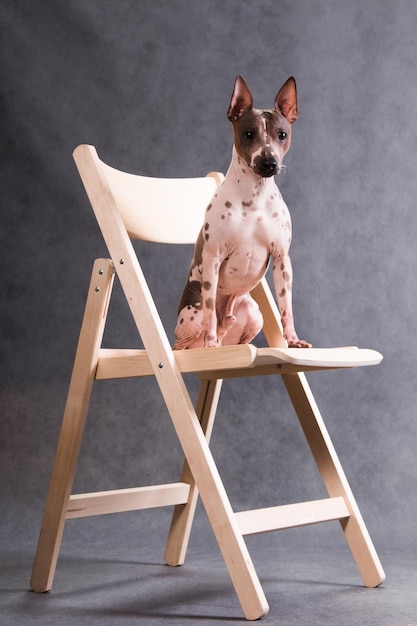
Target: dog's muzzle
[[265, 166]]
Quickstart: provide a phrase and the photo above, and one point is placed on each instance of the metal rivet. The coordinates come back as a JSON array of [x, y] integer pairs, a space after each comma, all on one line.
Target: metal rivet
[[121, 261], [160, 365], [101, 272], [97, 289]]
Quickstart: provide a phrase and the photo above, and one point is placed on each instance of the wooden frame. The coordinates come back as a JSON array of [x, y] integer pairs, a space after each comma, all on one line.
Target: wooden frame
[[125, 207]]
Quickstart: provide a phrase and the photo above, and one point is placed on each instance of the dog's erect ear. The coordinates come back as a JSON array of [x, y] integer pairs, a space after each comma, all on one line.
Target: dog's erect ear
[[286, 100], [241, 100]]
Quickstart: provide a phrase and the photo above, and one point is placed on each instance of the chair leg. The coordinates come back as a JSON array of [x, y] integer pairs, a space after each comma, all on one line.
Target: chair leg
[[213, 495], [231, 543], [183, 515], [72, 429], [334, 478]]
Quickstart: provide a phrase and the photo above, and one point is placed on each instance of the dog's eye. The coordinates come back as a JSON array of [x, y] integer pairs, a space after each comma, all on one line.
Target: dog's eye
[[249, 135], [282, 135]]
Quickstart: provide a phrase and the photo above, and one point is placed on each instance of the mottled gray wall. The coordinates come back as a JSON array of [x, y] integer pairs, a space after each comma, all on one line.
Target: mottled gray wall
[[149, 84]]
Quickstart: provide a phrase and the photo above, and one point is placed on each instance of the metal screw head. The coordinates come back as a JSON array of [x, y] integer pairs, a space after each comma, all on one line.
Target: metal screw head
[[121, 261], [101, 272], [160, 365], [97, 289]]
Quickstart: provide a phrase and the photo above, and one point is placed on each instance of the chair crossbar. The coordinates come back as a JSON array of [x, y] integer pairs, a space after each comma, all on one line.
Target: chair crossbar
[[121, 500], [291, 515]]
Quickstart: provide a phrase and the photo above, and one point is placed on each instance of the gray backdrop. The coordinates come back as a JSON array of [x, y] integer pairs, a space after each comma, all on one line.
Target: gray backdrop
[[149, 84]]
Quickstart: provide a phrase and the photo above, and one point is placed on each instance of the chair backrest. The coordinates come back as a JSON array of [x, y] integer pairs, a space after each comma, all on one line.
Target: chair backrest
[[163, 210], [129, 206]]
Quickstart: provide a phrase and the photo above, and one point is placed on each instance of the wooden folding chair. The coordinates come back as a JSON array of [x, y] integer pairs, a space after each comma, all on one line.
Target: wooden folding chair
[[164, 210]]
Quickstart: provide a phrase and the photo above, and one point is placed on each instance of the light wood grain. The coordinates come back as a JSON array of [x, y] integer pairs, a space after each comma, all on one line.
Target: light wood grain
[[128, 206], [291, 515], [121, 500]]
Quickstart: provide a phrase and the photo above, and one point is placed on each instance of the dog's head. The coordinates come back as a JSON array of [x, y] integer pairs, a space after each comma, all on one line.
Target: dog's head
[[263, 137]]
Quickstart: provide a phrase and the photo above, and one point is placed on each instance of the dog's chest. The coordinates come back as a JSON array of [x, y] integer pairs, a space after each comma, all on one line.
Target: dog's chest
[[248, 223], [242, 233]]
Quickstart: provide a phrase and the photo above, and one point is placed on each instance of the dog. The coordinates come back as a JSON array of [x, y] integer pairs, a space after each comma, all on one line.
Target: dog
[[246, 223]]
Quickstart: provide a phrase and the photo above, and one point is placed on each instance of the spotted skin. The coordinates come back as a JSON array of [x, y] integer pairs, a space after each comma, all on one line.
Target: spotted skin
[[247, 223]]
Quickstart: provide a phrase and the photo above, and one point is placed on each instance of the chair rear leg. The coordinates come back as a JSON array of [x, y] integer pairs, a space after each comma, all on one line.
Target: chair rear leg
[[183, 515], [72, 429], [334, 478]]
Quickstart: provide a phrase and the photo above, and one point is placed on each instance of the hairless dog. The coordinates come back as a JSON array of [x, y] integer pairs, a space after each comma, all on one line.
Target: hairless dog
[[246, 224]]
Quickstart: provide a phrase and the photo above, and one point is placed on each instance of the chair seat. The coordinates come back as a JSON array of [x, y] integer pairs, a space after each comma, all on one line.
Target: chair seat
[[349, 356], [122, 363]]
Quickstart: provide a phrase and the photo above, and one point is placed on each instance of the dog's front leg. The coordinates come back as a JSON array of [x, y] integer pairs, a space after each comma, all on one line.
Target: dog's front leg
[[282, 276], [209, 282]]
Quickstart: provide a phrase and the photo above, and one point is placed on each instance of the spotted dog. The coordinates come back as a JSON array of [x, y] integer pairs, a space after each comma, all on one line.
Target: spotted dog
[[246, 223]]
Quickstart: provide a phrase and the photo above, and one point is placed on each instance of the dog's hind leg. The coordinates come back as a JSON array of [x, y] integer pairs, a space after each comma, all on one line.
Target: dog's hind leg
[[248, 321], [189, 329], [227, 319]]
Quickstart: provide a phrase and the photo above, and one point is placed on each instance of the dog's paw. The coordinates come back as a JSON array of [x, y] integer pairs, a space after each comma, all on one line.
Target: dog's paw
[[298, 343], [210, 341], [292, 339], [226, 324]]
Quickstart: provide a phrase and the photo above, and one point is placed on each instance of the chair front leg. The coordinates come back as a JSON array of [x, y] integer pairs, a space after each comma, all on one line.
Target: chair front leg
[[73, 423]]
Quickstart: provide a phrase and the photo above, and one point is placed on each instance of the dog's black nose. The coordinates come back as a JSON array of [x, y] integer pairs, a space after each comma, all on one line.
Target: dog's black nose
[[268, 167]]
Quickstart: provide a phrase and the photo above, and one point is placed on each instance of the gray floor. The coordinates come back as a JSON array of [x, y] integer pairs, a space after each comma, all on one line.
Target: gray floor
[[111, 571]]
